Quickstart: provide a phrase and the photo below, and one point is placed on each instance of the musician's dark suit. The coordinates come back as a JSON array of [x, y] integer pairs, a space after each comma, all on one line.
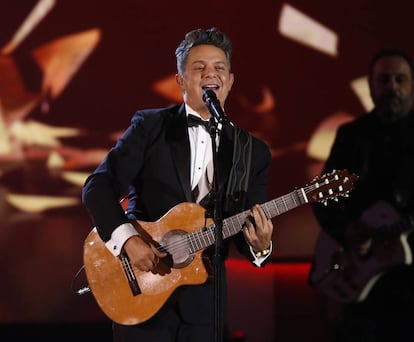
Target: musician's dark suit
[[154, 157], [383, 158]]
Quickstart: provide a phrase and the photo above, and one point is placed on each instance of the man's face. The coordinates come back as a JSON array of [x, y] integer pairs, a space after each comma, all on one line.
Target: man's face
[[391, 87], [207, 67]]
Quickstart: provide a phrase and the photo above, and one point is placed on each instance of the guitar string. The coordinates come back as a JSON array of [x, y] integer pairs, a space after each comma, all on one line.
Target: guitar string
[[191, 237], [194, 238]]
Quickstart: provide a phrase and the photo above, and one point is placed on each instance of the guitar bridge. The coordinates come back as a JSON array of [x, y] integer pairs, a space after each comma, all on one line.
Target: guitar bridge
[[129, 273]]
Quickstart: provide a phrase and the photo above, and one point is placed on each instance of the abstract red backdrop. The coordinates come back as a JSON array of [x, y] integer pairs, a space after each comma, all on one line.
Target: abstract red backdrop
[[283, 91]]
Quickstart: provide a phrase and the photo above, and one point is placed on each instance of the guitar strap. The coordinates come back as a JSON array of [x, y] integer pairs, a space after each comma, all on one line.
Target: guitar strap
[[235, 199]]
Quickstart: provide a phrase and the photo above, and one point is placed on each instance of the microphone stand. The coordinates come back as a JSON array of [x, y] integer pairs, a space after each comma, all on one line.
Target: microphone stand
[[217, 116], [218, 223]]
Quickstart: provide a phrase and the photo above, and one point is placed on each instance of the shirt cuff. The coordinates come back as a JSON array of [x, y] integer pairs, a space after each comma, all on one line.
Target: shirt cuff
[[119, 237], [258, 261]]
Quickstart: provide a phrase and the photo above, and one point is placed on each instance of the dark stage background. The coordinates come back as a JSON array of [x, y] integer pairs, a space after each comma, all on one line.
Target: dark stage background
[[71, 79]]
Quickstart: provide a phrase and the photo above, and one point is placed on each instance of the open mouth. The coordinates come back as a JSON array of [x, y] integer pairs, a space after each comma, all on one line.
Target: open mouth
[[211, 87]]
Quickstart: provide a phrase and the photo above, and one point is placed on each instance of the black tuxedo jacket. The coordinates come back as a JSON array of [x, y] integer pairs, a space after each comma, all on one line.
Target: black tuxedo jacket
[[151, 163]]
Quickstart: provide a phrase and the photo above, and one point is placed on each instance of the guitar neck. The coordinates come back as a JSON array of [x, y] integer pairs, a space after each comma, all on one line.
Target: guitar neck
[[205, 237]]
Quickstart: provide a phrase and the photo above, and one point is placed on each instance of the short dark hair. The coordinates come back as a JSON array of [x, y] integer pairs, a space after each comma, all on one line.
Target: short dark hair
[[211, 36], [390, 52]]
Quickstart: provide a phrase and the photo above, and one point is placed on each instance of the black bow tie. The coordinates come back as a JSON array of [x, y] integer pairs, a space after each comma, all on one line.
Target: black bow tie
[[194, 121]]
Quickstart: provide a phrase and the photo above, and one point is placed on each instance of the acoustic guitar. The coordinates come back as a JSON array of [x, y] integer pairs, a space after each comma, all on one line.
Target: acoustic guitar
[[129, 296]]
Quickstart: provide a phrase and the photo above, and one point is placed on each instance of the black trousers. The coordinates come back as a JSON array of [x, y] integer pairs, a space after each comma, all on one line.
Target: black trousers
[[167, 327], [188, 316]]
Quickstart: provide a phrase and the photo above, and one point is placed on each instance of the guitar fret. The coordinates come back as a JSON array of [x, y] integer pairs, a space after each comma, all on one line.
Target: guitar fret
[[233, 225], [211, 230], [285, 204], [240, 221], [267, 211], [226, 231], [198, 240], [191, 240], [209, 234], [228, 228], [203, 237]]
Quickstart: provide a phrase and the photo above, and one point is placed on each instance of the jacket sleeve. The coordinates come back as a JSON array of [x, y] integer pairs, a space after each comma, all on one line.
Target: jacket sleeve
[[257, 192], [104, 188]]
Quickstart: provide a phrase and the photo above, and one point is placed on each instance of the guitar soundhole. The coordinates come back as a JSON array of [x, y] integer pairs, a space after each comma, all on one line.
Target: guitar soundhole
[[177, 246]]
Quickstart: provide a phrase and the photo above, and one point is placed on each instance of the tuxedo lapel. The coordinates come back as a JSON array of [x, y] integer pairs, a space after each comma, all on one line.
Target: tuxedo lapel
[[177, 138], [225, 154]]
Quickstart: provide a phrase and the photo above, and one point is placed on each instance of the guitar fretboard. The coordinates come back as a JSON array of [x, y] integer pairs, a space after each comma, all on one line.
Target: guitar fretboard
[[205, 237]]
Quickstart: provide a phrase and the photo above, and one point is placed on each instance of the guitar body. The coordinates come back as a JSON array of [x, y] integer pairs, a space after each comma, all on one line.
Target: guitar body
[[109, 284], [129, 296], [346, 277]]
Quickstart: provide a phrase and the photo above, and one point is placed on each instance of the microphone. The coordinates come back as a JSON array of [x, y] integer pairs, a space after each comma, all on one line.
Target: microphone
[[213, 104]]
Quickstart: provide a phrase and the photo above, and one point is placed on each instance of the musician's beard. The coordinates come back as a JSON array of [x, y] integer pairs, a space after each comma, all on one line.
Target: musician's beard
[[391, 108]]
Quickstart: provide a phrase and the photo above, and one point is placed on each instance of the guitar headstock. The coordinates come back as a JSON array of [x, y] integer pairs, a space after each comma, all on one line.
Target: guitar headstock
[[330, 186]]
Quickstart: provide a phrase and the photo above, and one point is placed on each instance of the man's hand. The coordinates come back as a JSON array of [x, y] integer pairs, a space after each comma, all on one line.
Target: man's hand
[[258, 229], [143, 256]]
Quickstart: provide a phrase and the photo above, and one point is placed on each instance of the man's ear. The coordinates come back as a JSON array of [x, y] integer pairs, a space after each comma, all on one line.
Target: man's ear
[[179, 79]]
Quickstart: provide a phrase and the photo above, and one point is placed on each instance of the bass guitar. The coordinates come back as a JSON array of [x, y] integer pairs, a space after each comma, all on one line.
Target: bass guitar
[[347, 277], [129, 296]]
